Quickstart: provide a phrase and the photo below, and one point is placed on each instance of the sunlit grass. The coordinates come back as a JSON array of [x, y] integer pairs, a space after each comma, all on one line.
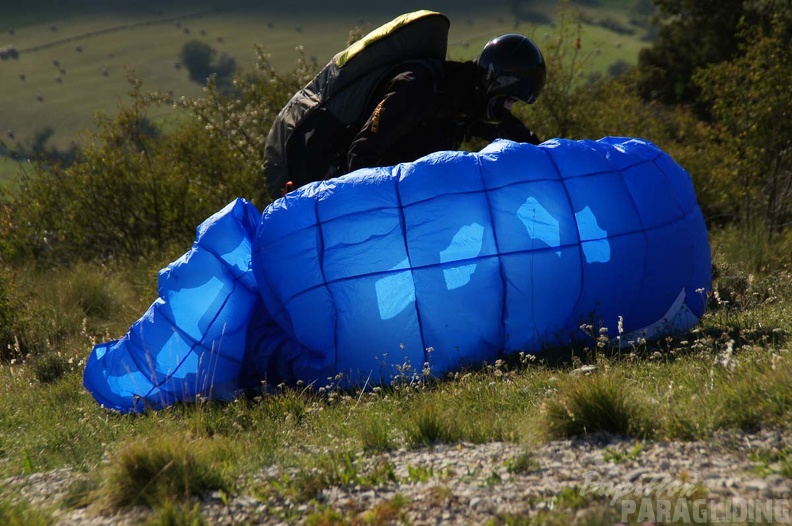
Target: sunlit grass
[[730, 372], [165, 470], [22, 514], [598, 404]]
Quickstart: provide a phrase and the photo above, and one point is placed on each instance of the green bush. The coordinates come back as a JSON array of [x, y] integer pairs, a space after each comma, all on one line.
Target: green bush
[[8, 317], [752, 126], [599, 403], [159, 472], [135, 191], [22, 514]]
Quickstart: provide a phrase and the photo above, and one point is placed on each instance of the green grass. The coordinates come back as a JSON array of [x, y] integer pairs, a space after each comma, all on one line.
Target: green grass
[[22, 514], [731, 372], [163, 470], [148, 40], [598, 404], [8, 171]]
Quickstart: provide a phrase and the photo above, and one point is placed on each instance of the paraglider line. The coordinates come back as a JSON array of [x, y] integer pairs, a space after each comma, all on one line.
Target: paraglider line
[[320, 251], [501, 271], [403, 225], [196, 343], [579, 245], [644, 231], [474, 259]]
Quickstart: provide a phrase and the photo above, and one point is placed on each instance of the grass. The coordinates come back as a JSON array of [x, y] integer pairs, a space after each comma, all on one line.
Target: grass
[[731, 372], [147, 41], [22, 514], [597, 404], [163, 470], [8, 171]]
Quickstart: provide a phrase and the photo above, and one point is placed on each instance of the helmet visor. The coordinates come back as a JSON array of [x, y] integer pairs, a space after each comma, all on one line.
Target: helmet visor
[[516, 87]]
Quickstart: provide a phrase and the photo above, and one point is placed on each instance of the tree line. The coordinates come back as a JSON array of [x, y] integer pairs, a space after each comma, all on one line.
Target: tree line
[[711, 90]]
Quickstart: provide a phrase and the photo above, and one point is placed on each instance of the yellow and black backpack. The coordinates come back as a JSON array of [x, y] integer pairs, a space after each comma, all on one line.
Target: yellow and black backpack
[[309, 138]]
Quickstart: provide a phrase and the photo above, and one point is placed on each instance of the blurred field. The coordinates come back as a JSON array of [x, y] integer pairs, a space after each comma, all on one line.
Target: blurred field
[[8, 169], [75, 55]]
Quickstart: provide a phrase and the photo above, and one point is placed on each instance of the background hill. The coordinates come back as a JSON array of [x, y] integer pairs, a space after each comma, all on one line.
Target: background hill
[[72, 57]]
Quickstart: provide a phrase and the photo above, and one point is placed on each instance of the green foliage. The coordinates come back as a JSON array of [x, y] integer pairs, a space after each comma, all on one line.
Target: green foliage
[[773, 461], [133, 193], [376, 434], [9, 317], [158, 472], [334, 469], [50, 367], [22, 514], [748, 248], [694, 34], [239, 123], [525, 462], [171, 514], [751, 128], [597, 404], [555, 113], [44, 312], [749, 405], [617, 454], [137, 191]]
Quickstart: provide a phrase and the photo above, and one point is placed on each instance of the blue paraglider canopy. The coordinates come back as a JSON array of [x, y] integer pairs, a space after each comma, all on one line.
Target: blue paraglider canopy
[[453, 260]]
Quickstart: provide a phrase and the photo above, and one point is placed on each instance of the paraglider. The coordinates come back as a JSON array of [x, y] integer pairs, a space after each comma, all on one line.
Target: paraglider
[[455, 259]]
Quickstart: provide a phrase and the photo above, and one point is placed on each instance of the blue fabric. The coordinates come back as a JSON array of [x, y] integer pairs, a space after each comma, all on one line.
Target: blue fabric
[[455, 259], [192, 339]]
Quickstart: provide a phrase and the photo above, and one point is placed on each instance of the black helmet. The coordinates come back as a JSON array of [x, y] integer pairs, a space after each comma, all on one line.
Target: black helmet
[[512, 66]]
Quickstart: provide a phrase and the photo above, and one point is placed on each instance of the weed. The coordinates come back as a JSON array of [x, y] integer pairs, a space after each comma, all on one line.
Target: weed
[[759, 395], [617, 455], [428, 426], [773, 462], [375, 433], [493, 479], [598, 403], [80, 493], [437, 495], [570, 498], [49, 368], [162, 470], [329, 470], [525, 462], [182, 514], [420, 473], [22, 514], [382, 472], [388, 512], [326, 517]]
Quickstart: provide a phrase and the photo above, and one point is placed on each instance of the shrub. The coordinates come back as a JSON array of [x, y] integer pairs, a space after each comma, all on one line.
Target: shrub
[[135, 190], [428, 426], [22, 514], [155, 472], [8, 317], [598, 403], [755, 137]]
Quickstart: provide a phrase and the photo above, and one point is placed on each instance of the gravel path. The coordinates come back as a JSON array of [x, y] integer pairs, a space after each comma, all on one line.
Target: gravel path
[[474, 484]]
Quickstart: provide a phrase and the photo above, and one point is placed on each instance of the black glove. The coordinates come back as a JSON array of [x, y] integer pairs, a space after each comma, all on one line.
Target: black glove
[[512, 128]]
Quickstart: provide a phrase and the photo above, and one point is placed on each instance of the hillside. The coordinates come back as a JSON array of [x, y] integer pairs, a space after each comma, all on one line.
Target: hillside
[[74, 57]]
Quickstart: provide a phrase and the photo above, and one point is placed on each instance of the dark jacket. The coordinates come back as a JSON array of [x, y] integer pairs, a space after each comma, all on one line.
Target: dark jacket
[[419, 110]]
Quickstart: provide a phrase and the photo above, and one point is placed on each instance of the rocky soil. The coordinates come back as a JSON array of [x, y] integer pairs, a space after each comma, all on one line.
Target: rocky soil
[[494, 483]]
